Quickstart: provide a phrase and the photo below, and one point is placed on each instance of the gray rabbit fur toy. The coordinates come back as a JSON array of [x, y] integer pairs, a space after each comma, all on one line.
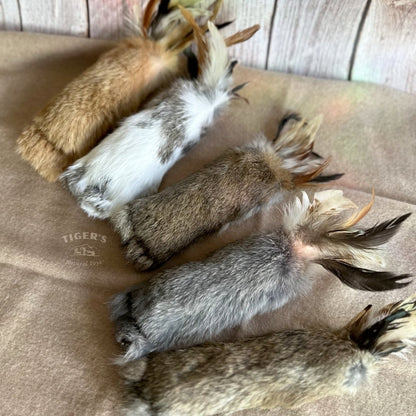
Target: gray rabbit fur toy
[[286, 369], [194, 302], [243, 179]]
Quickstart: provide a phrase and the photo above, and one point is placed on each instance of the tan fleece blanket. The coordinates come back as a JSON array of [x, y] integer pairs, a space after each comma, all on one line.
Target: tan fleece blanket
[[59, 267]]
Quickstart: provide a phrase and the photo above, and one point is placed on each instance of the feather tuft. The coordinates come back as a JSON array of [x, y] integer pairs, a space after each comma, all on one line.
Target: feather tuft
[[391, 330], [363, 279], [172, 28], [348, 253], [214, 66], [294, 145], [372, 237]]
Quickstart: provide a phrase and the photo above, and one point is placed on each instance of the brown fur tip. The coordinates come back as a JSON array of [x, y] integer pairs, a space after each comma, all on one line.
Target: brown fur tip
[[44, 157]]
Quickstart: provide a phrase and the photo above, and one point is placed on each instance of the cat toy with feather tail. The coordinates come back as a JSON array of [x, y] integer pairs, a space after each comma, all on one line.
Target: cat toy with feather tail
[[194, 302], [132, 161], [284, 369], [238, 182], [111, 89]]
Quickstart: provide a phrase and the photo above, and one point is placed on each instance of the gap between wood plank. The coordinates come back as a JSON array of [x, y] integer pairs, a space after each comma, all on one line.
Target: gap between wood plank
[[88, 19], [20, 15], [357, 38], [270, 34]]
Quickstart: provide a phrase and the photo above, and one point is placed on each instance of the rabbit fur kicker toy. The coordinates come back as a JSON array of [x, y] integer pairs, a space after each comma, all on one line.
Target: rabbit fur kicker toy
[[234, 185], [194, 302], [134, 158], [114, 87], [286, 369]]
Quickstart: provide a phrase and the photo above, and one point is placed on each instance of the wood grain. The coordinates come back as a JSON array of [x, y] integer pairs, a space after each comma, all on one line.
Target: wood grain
[[323, 38], [386, 52], [55, 16], [247, 13], [315, 37], [112, 19], [10, 15], [108, 21]]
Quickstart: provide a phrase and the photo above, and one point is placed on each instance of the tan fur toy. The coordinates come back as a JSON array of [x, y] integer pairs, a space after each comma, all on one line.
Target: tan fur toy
[[113, 88], [285, 369]]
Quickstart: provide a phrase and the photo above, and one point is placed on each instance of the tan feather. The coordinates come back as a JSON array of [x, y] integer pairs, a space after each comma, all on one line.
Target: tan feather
[[179, 38], [199, 36], [361, 214], [358, 323], [148, 14], [215, 10], [242, 35], [394, 328], [387, 310], [305, 179]]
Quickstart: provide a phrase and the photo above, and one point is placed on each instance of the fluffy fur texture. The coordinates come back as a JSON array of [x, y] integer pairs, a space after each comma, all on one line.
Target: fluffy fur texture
[[156, 227], [113, 88], [194, 302], [132, 160], [325, 231], [269, 371]]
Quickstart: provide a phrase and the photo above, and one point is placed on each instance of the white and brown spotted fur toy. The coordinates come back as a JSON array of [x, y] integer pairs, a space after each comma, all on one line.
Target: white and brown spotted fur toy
[[132, 161]]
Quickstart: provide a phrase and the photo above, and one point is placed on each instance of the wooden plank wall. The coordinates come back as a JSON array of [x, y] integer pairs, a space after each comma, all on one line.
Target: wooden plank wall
[[386, 51], [363, 40], [314, 37], [10, 15]]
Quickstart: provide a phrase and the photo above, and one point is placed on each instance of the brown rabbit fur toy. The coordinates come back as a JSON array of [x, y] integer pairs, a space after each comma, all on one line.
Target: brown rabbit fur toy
[[111, 89], [240, 181], [286, 369]]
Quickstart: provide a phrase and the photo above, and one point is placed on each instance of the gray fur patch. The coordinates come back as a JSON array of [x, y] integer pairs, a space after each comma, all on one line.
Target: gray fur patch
[[192, 303], [357, 374], [71, 177], [172, 111], [144, 124]]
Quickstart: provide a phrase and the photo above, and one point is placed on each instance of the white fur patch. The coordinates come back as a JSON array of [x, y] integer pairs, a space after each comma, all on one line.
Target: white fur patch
[[132, 161], [127, 163]]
